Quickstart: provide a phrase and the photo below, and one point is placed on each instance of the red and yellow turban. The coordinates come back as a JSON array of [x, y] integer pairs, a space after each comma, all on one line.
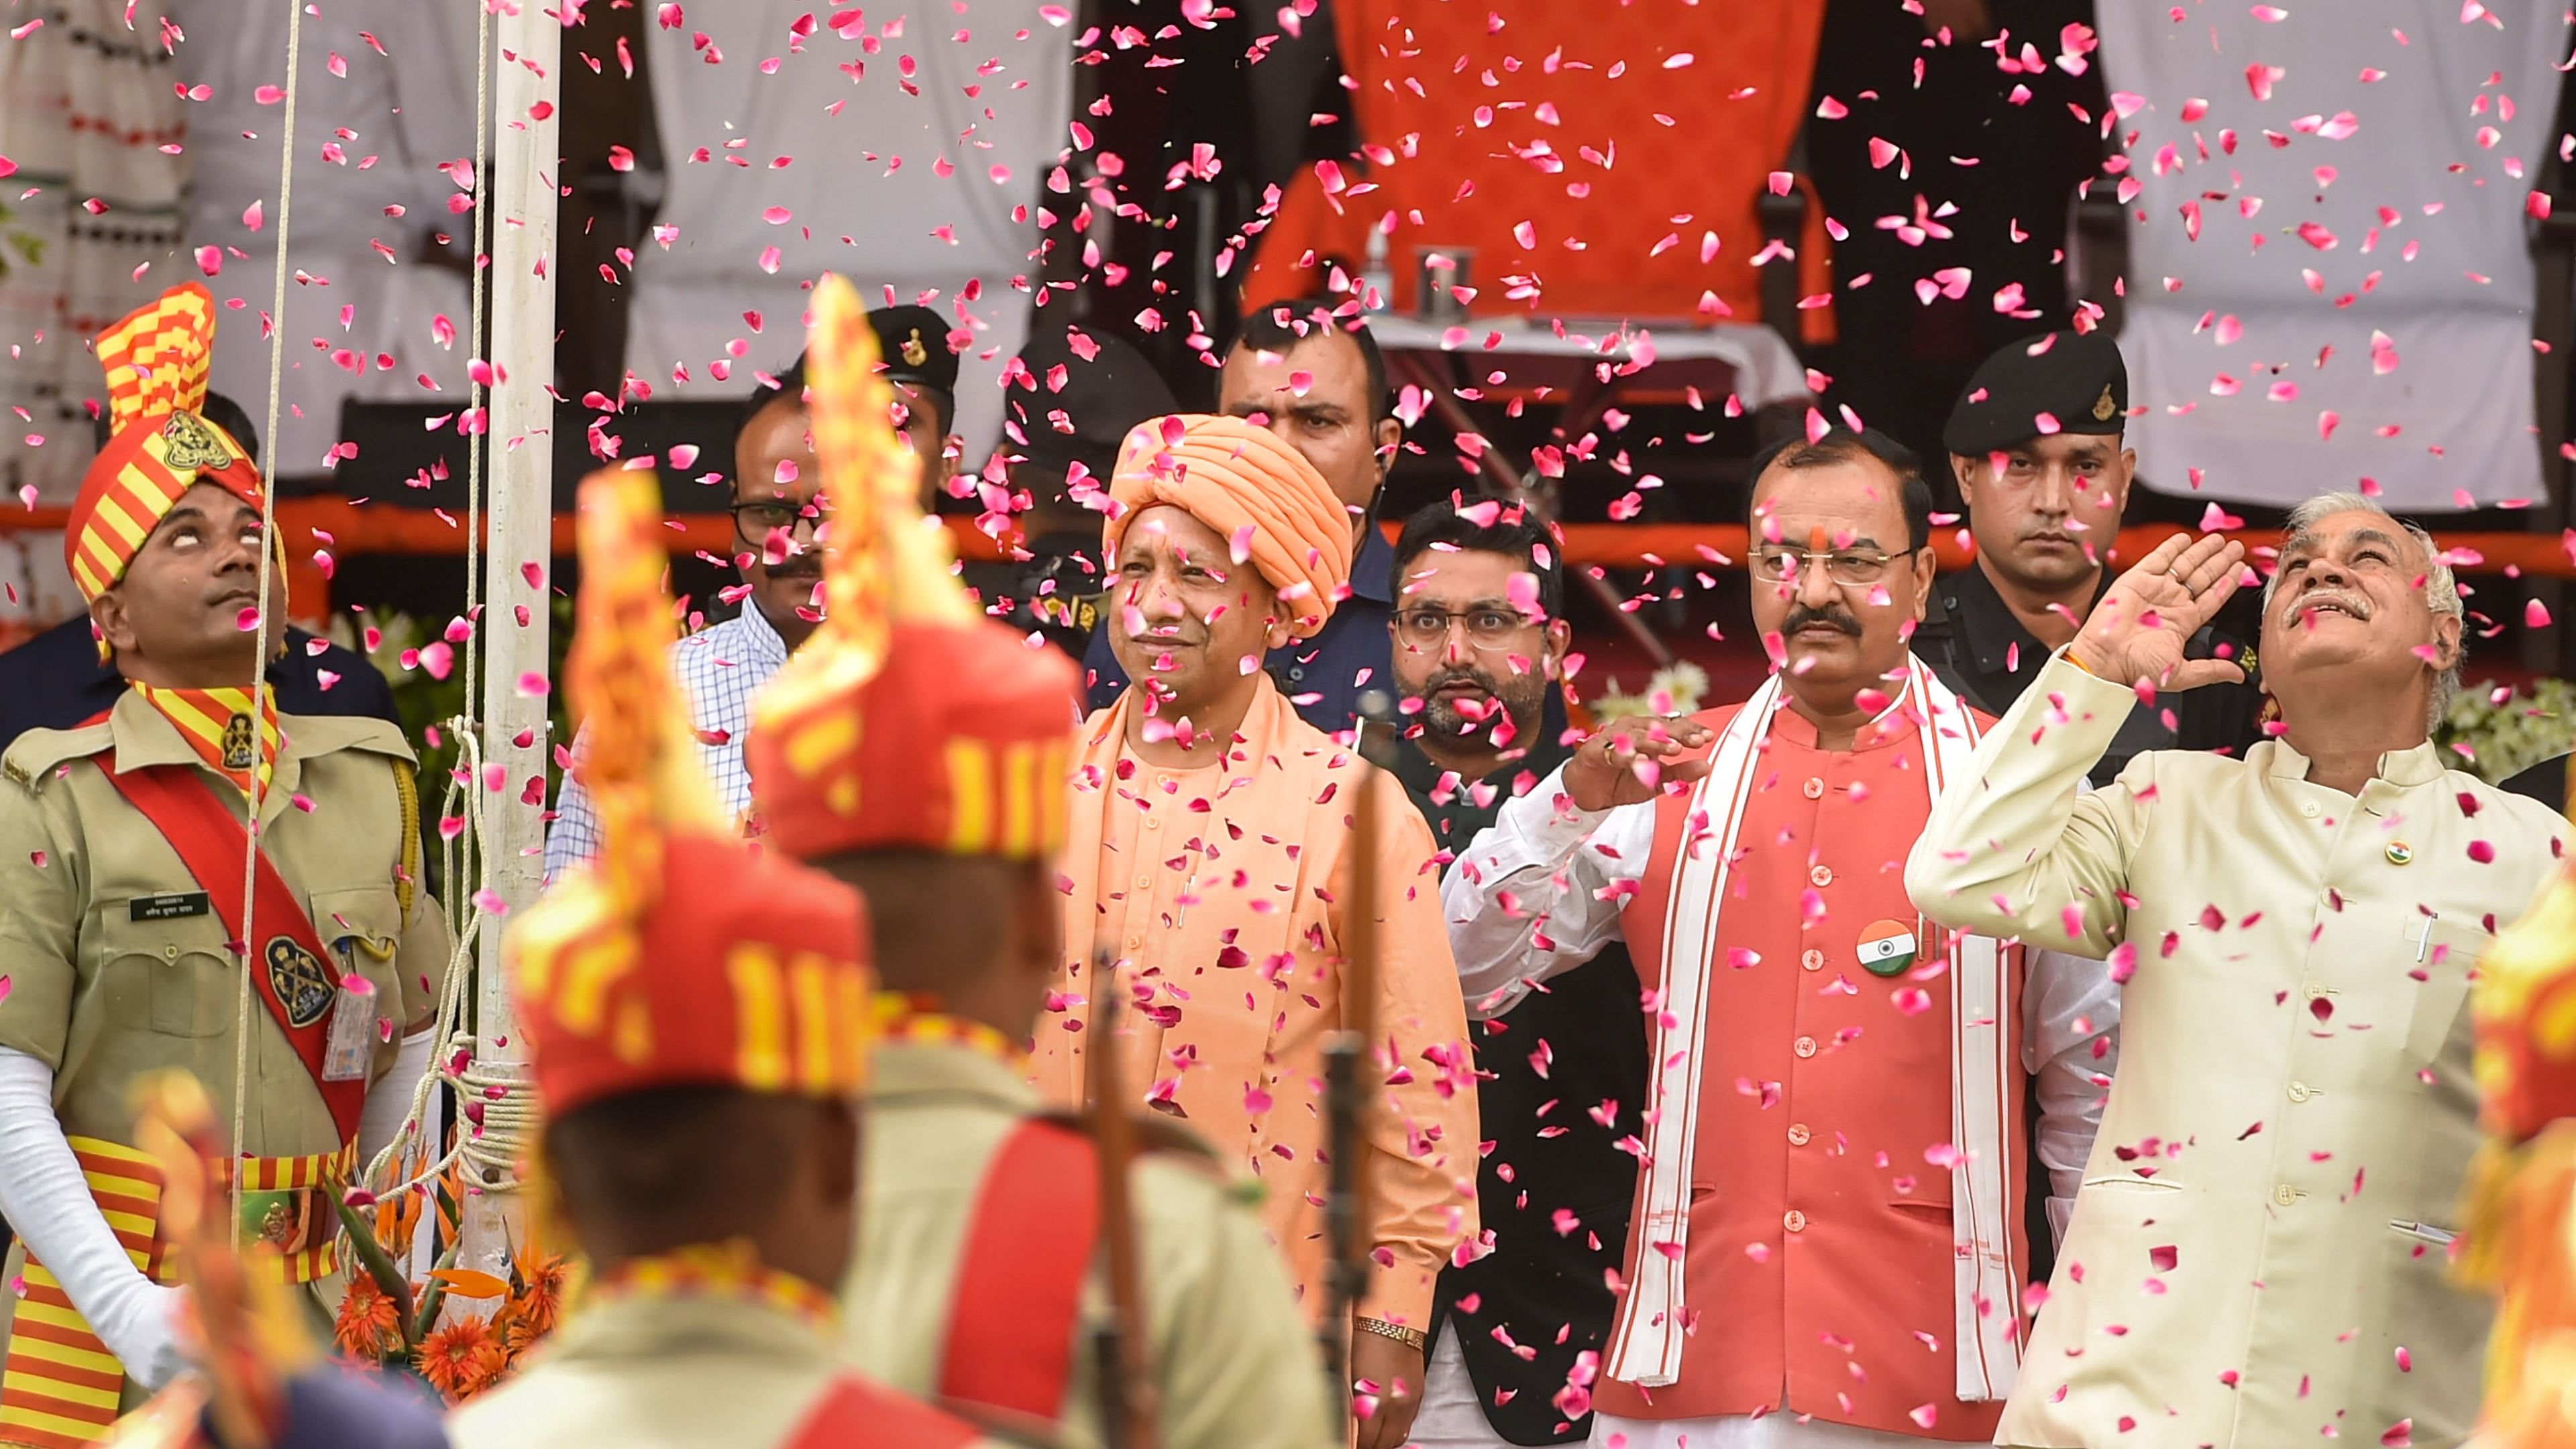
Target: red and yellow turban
[[158, 446], [1235, 477], [909, 721], [682, 956]]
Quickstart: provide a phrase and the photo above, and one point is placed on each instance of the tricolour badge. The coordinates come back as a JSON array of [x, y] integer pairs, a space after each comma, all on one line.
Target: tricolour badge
[[1887, 947]]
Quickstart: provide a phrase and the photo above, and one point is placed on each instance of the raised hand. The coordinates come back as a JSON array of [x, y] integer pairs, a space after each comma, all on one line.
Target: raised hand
[[1604, 771], [2137, 633]]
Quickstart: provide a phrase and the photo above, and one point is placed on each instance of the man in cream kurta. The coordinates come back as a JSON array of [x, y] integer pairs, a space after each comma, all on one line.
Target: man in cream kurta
[[2257, 1254]]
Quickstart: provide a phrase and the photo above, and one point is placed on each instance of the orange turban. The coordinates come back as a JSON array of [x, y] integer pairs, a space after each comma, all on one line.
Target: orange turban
[[1235, 477], [156, 359]]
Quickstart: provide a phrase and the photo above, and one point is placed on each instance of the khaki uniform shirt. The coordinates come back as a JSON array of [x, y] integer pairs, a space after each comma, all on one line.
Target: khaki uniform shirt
[[1233, 1362], [2257, 1253], [683, 1372], [100, 996]]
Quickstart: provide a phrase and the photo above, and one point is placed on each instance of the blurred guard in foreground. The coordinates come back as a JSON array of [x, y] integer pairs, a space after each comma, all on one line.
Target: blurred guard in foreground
[[919, 752], [260, 1381], [123, 849], [698, 1051]]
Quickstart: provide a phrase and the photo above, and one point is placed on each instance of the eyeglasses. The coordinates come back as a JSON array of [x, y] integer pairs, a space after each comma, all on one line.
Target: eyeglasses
[[757, 520], [1427, 628], [1843, 566]]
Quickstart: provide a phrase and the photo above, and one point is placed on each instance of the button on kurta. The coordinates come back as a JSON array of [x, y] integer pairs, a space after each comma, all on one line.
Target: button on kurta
[[1811, 958], [1804, 1046], [1794, 1220], [1815, 788], [2312, 810], [1822, 875], [2299, 1092], [2285, 1195], [1798, 1134]]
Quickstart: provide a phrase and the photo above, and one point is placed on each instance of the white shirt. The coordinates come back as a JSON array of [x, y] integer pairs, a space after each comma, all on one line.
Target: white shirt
[[721, 667]]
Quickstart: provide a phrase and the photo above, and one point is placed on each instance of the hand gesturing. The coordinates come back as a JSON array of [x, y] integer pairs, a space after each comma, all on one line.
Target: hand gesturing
[[2138, 632]]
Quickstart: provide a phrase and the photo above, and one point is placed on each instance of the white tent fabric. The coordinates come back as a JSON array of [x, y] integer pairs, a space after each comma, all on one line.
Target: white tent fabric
[[410, 109], [2384, 150], [896, 153]]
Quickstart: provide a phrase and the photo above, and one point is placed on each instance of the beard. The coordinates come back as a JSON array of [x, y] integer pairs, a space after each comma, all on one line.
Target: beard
[[1522, 698]]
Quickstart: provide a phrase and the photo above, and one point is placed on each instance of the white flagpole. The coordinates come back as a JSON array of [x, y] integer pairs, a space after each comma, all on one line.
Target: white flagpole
[[526, 86]]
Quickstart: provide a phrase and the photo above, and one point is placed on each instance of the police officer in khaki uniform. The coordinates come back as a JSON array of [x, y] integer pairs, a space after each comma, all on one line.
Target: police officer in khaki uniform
[[919, 751], [698, 1053], [122, 855]]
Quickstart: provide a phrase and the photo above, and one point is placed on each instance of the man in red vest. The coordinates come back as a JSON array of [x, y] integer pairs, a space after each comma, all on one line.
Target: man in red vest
[[1825, 1249]]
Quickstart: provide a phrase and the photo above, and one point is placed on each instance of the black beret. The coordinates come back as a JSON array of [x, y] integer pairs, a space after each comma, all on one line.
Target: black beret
[[2075, 378], [1106, 393], [914, 343]]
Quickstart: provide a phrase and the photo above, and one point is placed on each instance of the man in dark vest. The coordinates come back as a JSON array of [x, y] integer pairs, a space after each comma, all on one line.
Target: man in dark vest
[[1480, 640]]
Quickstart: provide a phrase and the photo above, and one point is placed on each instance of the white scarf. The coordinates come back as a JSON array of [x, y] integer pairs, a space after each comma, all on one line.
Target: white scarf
[[1646, 1347]]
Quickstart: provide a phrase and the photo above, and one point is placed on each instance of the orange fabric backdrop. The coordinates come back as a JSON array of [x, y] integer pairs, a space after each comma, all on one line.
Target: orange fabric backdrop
[[1453, 111]]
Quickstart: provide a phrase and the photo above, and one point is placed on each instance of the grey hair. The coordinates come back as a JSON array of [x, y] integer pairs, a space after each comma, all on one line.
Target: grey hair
[[2441, 589]]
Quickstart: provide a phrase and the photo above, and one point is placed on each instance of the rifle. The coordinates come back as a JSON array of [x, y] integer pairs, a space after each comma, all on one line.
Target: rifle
[[1124, 1357], [1347, 1098]]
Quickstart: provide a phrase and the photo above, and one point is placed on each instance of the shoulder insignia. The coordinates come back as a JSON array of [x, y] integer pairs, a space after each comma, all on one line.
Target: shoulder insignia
[[33, 756], [326, 734]]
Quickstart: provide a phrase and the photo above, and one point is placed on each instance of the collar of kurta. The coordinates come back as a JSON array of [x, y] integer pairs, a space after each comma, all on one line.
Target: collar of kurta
[[1269, 715], [1890, 726], [2404, 769]]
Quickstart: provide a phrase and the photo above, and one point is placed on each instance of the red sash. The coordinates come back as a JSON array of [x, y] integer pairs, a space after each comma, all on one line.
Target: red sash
[[1028, 1251], [854, 1412], [297, 981]]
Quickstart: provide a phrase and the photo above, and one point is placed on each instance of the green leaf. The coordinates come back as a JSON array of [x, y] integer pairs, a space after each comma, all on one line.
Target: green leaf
[[379, 1264]]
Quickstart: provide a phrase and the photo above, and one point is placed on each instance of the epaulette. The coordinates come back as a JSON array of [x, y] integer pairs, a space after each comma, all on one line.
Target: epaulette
[[34, 756], [327, 734]]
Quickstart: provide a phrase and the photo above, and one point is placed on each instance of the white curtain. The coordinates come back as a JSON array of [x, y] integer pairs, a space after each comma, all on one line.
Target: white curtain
[[372, 128], [2416, 233], [831, 150], [89, 226]]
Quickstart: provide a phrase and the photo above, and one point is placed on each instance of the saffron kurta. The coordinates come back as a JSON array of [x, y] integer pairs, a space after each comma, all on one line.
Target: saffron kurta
[[1819, 1254], [1221, 891], [2257, 1256]]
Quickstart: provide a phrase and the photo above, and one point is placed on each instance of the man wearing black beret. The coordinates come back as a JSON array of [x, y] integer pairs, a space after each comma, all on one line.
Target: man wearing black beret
[[923, 369], [2036, 445]]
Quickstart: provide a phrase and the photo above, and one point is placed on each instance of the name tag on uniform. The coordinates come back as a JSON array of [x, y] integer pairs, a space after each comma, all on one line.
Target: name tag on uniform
[[170, 907]]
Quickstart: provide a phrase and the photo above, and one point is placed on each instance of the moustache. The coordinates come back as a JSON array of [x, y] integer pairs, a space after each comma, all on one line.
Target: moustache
[[1834, 619]]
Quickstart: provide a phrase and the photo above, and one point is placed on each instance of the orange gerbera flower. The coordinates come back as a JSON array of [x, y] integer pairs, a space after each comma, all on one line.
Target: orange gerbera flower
[[539, 1300], [369, 1323], [464, 1358]]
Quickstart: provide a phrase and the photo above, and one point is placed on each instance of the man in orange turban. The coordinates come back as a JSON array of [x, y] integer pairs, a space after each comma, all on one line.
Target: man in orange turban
[[1211, 856]]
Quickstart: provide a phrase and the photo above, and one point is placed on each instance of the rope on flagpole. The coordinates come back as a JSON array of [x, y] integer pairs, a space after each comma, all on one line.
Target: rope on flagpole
[[268, 560]]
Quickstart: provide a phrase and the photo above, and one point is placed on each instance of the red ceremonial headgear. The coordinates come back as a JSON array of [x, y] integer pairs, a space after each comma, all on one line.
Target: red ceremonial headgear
[[682, 956], [909, 720], [156, 361]]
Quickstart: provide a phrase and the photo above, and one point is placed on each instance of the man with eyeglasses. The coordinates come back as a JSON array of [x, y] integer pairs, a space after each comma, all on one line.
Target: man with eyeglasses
[[1480, 646], [1827, 1244], [2036, 446]]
